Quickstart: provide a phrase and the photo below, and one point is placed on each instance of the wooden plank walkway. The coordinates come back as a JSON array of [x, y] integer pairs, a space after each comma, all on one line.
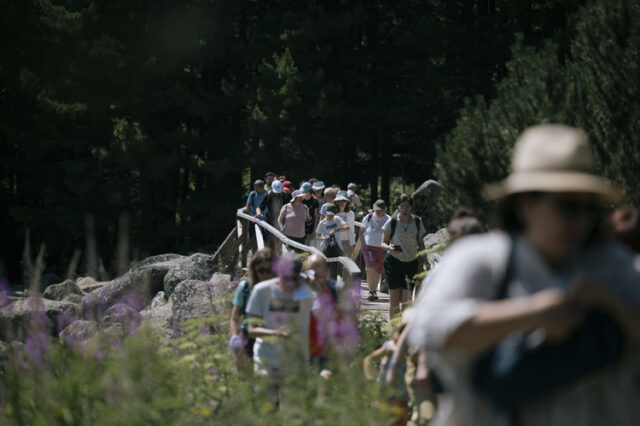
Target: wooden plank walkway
[[381, 305]]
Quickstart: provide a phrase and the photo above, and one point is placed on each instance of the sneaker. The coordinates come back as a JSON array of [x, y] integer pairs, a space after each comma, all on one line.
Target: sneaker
[[375, 295], [372, 296]]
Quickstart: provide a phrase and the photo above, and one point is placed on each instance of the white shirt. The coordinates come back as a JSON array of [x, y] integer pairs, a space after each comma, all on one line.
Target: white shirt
[[469, 273]]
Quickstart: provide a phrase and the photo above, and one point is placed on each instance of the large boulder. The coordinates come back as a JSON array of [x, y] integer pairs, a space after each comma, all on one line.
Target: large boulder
[[433, 240], [427, 204], [36, 314], [146, 278], [88, 284], [195, 267], [60, 291], [121, 314], [79, 331], [198, 299]]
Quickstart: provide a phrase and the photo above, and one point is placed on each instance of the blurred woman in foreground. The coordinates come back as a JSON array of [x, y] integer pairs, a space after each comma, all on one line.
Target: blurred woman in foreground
[[503, 296]]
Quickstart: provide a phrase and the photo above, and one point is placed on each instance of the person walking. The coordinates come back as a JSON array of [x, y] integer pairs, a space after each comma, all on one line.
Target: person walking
[[314, 212], [269, 210], [329, 196], [356, 203], [241, 344], [293, 217], [403, 237], [318, 191], [546, 299], [281, 309], [287, 187], [255, 197], [371, 234], [348, 237]]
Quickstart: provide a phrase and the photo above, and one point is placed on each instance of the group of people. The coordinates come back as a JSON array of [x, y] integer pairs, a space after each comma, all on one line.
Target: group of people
[[536, 322]]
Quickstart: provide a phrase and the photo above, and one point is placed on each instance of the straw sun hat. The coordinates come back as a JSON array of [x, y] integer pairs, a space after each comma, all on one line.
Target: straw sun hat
[[553, 158]]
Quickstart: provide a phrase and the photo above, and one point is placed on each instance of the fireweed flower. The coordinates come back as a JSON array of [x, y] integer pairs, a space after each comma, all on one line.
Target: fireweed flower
[[214, 372], [208, 288]]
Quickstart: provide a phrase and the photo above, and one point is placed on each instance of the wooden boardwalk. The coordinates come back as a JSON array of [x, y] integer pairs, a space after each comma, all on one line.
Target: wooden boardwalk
[[381, 305]]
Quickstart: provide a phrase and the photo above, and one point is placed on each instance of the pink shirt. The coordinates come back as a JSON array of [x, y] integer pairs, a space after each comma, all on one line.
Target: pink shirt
[[293, 219]]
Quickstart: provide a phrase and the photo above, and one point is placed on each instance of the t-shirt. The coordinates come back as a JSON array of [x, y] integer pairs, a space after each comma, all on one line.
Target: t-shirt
[[326, 226], [313, 205], [278, 308], [319, 328], [347, 234], [470, 273], [243, 292], [294, 218], [405, 236], [254, 199], [373, 229]]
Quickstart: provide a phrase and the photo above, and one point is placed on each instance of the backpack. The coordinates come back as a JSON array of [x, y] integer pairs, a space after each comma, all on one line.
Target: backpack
[[330, 247], [246, 290], [394, 223]]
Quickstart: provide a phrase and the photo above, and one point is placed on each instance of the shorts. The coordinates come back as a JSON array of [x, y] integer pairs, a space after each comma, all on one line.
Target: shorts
[[373, 257], [396, 272]]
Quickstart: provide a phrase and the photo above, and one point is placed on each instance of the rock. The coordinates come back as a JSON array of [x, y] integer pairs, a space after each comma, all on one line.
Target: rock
[[73, 298], [196, 267], [426, 204], [88, 284], [159, 300], [79, 331], [124, 315], [434, 240], [25, 315], [59, 291], [159, 315], [198, 299], [146, 278]]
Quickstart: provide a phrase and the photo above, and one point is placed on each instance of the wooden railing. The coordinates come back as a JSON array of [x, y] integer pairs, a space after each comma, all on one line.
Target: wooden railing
[[240, 241]]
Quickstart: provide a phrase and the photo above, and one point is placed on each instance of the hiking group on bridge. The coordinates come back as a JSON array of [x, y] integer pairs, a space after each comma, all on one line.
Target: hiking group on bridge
[[534, 323]]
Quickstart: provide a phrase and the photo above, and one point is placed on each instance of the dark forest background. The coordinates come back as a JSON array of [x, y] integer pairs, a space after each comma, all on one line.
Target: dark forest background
[[141, 122]]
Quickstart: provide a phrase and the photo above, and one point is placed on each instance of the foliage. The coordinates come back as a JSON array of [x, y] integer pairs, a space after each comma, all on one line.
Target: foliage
[[585, 76], [190, 378]]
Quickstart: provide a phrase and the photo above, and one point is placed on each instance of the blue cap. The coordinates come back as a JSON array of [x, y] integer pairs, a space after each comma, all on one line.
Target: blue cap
[[305, 187]]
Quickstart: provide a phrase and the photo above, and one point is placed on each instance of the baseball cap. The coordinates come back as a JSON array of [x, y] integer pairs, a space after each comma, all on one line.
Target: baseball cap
[[297, 193], [276, 187], [258, 182], [330, 209], [379, 205], [287, 185]]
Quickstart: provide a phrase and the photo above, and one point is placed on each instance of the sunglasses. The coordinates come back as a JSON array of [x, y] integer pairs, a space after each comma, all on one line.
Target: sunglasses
[[264, 270], [572, 208]]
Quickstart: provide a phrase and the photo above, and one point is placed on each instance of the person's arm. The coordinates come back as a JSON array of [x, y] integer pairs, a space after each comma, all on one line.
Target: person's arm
[[258, 331], [385, 242], [263, 205], [281, 217], [378, 353], [234, 321], [549, 309]]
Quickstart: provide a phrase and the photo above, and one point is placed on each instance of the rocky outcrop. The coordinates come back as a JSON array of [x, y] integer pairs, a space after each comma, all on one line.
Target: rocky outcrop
[[426, 204], [31, 314], [197, 299], [124, 315], [195, 267], [79, 331], [159, 314], [145, 279], [60, 291], [88, 284], [436, 239]]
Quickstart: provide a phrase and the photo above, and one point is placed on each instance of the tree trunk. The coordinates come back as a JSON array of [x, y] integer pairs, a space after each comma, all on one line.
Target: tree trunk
[[386, 172]]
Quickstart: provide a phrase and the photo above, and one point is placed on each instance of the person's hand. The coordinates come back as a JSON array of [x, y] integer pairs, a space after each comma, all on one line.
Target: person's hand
[[258, 214], [557, 314]]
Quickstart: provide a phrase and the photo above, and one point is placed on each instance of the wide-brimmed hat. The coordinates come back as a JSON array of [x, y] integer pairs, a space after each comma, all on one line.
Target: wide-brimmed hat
[[553, 158], [318, 185], [342, 196], [297, 194], [305, 187]]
